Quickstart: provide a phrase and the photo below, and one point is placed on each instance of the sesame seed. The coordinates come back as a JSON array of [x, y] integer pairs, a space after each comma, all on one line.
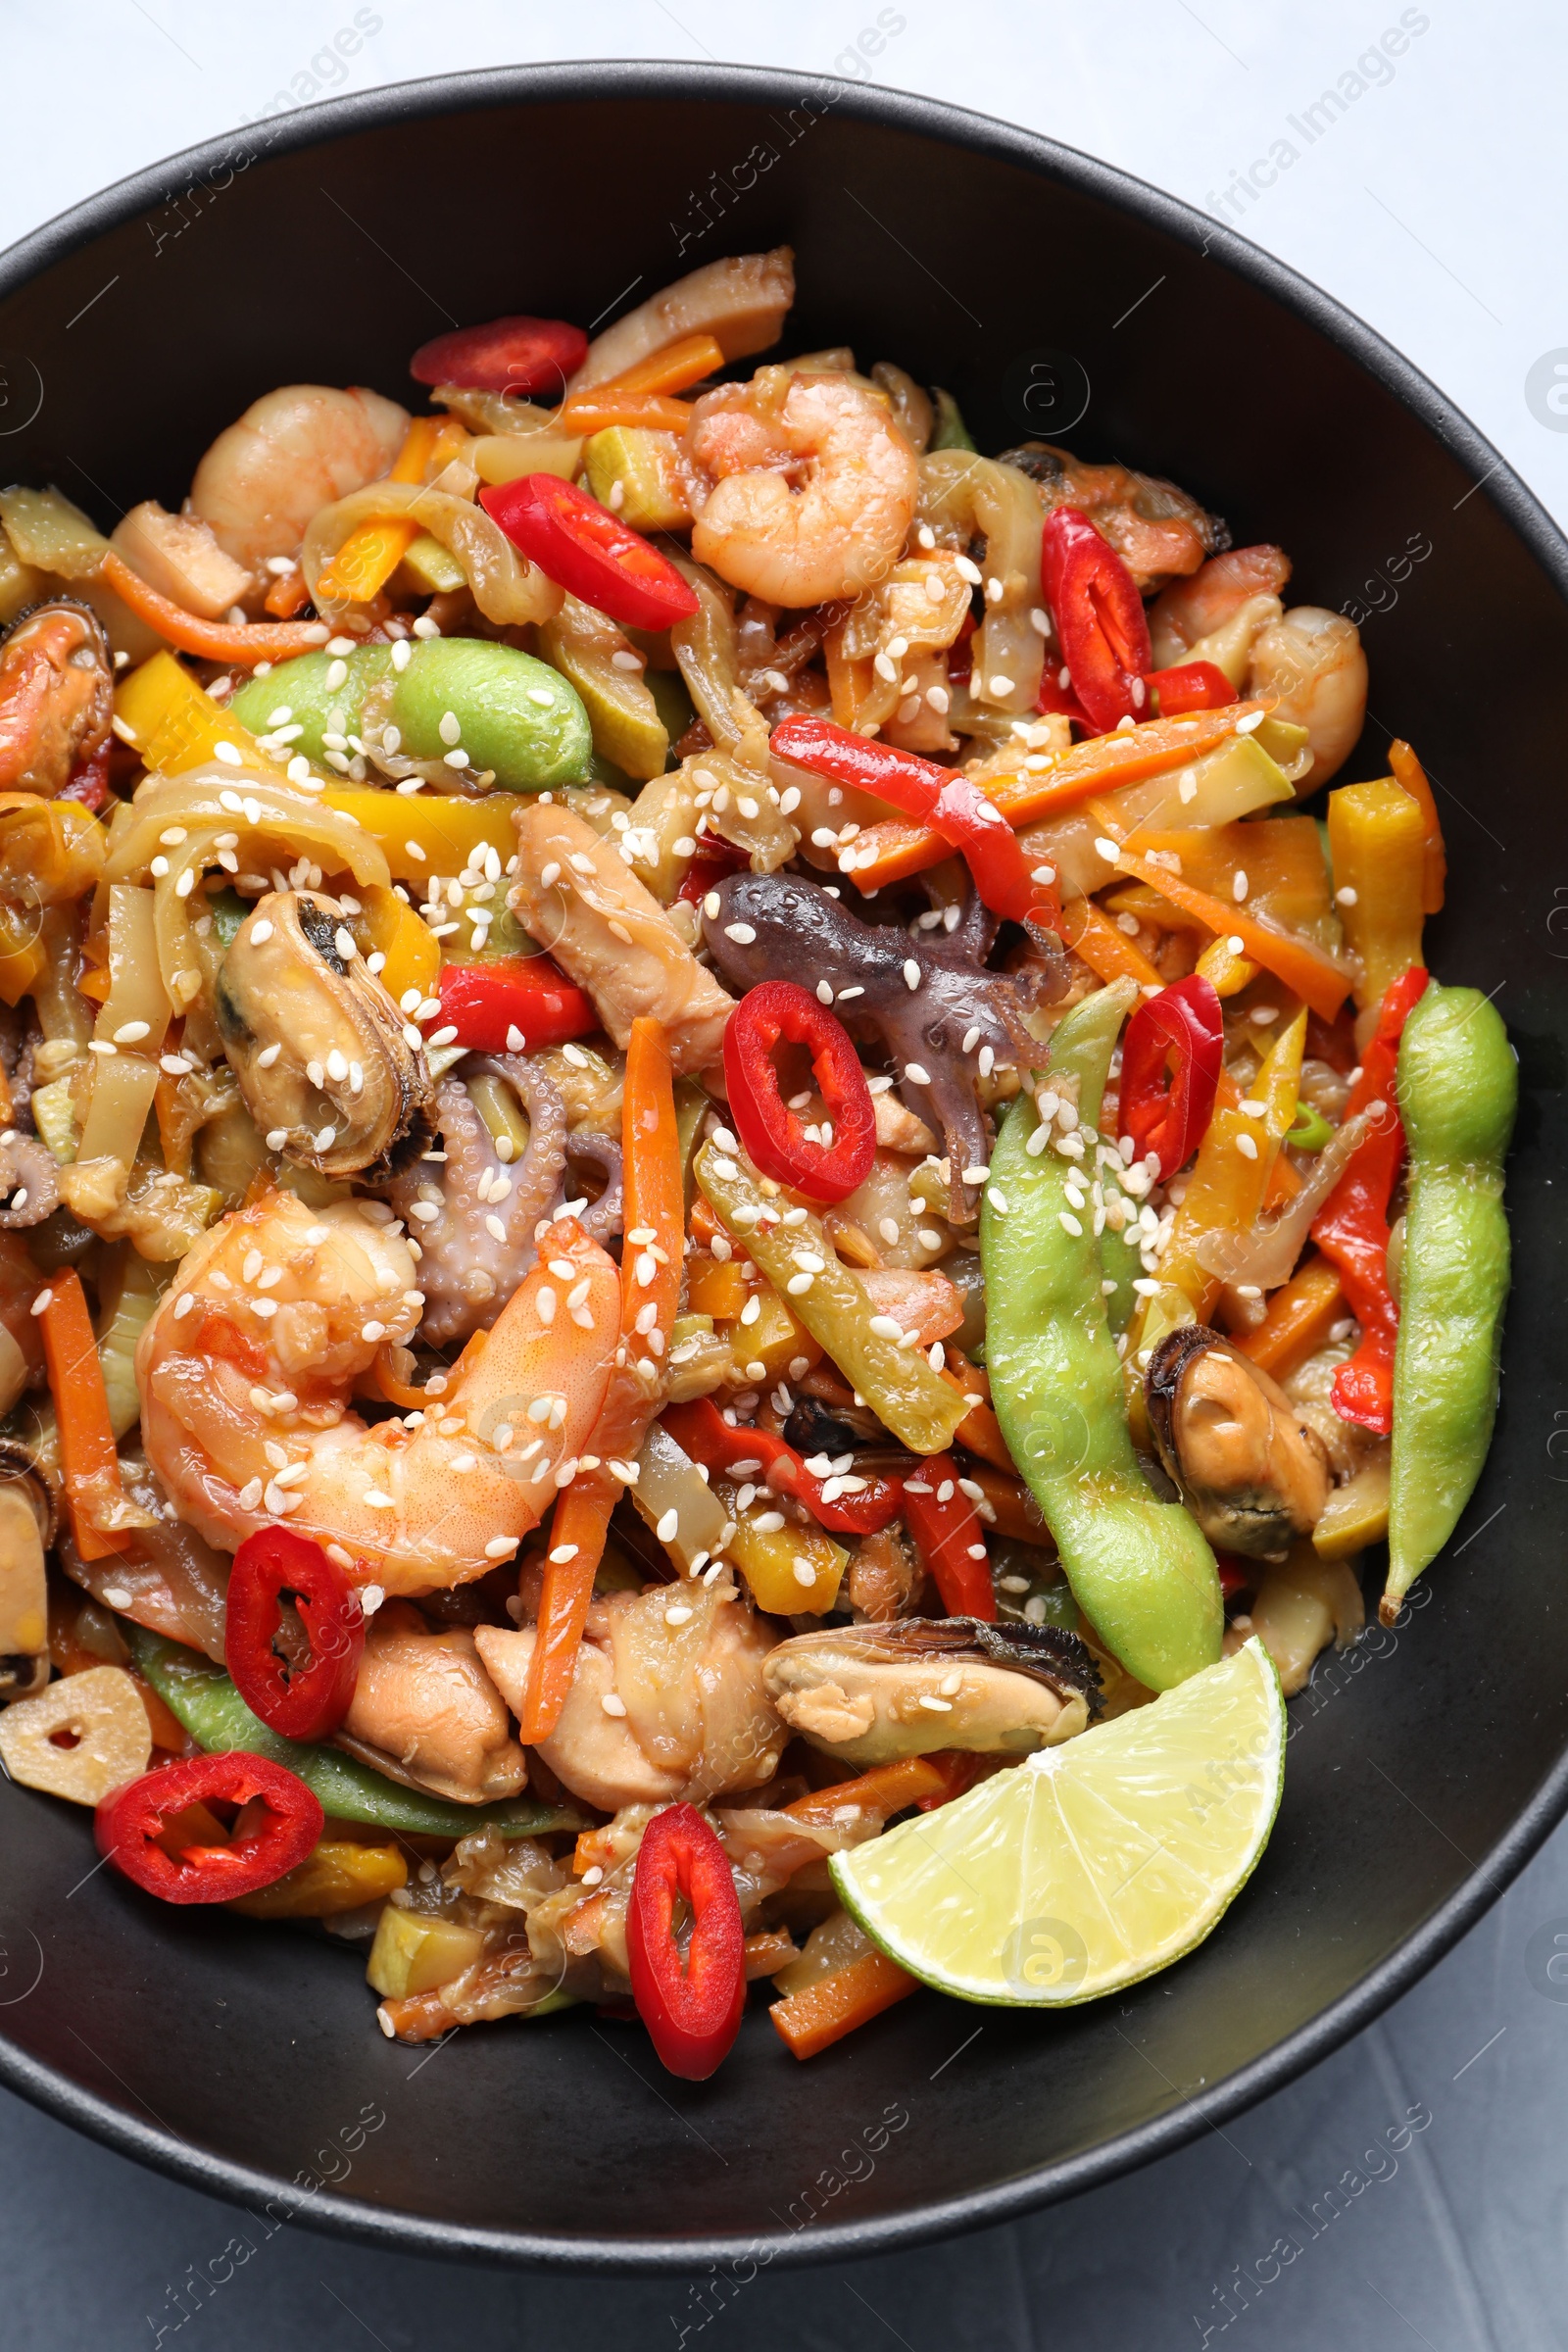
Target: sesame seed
[[277, 1138], [668, 1527], [741, 933], [937, 1706], [886, 1328], [613, 1703], [911, 973], [1246, 1147], [916, 1073], [500, 1547], [1239, 887], [1108, 850], [997, 1200], [1346, 896]]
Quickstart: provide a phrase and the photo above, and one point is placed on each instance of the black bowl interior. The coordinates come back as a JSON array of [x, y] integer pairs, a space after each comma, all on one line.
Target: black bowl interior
[[1422, 1768]]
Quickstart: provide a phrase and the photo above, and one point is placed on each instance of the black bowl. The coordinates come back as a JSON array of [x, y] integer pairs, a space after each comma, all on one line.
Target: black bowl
[[1054, 296]]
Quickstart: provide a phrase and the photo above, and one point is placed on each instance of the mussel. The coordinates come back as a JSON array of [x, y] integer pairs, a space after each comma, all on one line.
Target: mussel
[[56, 695], [1252, 1473], [870, 1693]]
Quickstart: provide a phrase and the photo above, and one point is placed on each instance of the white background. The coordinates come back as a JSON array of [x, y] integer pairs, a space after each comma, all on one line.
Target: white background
[[1436, 205]]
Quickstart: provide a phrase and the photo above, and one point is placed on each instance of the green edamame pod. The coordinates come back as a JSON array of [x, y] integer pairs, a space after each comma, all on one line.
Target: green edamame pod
[[515, 717], [1139, 1568], [200, 1696], [296, 694], [1459, 1086]]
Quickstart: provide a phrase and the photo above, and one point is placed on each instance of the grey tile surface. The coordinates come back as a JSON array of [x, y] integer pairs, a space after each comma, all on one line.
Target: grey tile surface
[[1411, 2191]]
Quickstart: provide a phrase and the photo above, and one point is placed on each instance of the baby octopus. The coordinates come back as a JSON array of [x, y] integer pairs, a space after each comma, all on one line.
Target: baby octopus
[[776, 926]]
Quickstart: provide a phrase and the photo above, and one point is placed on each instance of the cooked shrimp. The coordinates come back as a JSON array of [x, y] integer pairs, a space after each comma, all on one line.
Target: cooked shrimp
[[56, 695], [424, 1704], [246, 1368], [1191, 611], [1159, 531], [1314, 661], [293, 452], [685, 1663], [841, 528]]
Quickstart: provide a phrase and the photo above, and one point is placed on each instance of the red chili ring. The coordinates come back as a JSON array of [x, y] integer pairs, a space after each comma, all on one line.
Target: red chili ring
[[303, 1703], [129, 1822], [693, 2013], [774, 1137], [1186, 1021], [589, 552], [1100, 623]]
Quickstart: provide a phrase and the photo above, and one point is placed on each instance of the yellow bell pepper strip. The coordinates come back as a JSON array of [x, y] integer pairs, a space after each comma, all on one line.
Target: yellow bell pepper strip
[[173, 723], [1226, 1187], [1107, 951], [102, 1514], [791, 1570], [244, 643], [423, 835], [1378, 841], [1282, 858], [1226, 972], [655, 1219], [370, 556], [338, 1875], [899, 847], [1409, 773], [823, 2012], [897, 1383], [392, 929], [1299, 1318], [1310, 974], [22, 952]]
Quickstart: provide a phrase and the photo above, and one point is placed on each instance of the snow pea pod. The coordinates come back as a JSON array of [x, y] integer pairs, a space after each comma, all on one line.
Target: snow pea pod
[[1139, 1568], [201, 1696], [1458, 1088]]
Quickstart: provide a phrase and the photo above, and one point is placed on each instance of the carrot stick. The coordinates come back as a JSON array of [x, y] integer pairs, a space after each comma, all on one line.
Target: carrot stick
[[823, 2013], [370, 556], [88, 1458], [655, 1217], [897, 848], [243, 641], [1304, 969], [601, 406], [1109, 951], [1409, 771], [1298, 1319], [886, 1789], [289, 594], [675, 368]]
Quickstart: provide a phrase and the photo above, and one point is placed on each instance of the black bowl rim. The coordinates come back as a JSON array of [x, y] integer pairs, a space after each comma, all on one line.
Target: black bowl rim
[[951, 126]]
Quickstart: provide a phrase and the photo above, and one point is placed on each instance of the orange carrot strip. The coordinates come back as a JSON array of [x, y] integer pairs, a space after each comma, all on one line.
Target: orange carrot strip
[[370, 556], [886, 1789], [675, 368], [1107, 951], [289, 594], [243, 641], [88, 1458], [823, 2013], [900, 847], [1409, 771], [656, 1203], [592, 411], [1298, 1319], [1304, 969]]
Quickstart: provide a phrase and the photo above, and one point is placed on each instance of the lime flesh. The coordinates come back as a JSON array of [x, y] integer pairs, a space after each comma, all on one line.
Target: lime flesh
[[1092, 1864]]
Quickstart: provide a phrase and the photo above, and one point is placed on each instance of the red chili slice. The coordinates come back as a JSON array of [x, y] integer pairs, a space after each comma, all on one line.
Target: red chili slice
[[129, 1820], [692, 2012], [951, 803], [511, 355], [1100, 623], [947, 1530], [700, 1430], [491, 1006], [713, 862], [1189, 686], [1184, 1022], [309, 1700], [589, 552], [772, 1134]]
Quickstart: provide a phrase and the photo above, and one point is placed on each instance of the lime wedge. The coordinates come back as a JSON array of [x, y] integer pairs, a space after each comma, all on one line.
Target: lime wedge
[[1092, 1864]]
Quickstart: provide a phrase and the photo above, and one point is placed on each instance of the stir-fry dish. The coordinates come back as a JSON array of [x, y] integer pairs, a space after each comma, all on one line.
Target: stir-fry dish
[[725, 1214]]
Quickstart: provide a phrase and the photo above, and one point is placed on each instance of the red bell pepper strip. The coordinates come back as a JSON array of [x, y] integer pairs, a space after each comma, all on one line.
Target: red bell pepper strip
[[512, 1006], [510, 355], [952, 804], [700, 1430], [308, 1701], [714, 862], [1100, 623], [950, 1541], [772, 1133], [1189, 686], [129, 1820], [590, 552], [692, 2012], [1185, 1021], [1351, 1229]]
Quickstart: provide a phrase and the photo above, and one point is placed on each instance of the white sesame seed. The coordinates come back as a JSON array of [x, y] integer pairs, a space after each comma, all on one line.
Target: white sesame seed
[[500, 1547], [613, 1703], [1246, 1147], [916, 1073]]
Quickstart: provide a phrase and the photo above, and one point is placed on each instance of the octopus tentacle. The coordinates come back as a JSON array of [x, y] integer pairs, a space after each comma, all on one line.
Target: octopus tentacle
[[29, 1180]]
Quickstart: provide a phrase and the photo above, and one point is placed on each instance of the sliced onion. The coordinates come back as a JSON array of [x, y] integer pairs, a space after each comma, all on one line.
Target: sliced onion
[[1267, 1255]]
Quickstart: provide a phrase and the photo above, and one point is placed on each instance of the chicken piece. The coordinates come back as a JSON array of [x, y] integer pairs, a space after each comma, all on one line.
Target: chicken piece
[[657, 1711], [577, 897], [178, 555]]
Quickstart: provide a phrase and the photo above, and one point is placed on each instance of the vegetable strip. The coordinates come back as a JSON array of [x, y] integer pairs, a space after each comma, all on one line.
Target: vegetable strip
[[101, 1512]]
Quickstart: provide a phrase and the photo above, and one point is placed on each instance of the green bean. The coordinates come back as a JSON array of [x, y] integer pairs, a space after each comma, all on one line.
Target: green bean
[[951, 431], [201, 1696], [1139, 1568], [515, 717], [1459, 1087]]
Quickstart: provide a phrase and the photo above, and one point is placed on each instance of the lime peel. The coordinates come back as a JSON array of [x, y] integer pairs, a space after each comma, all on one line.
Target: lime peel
[[1093, 1864]]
